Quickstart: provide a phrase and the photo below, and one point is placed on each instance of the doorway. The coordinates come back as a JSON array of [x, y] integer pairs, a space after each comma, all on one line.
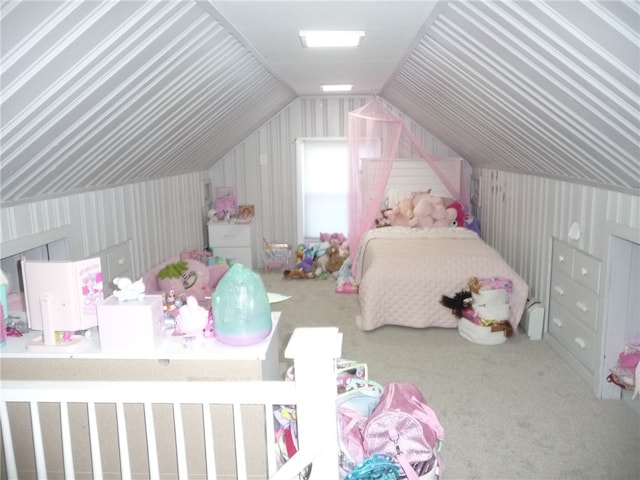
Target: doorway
[[621, 311]]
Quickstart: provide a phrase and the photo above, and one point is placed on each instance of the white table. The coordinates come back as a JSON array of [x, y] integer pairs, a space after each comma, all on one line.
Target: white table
[[212, 361]]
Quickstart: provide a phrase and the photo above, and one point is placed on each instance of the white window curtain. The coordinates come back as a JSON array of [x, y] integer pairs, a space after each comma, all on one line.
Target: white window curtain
[[323, 170]]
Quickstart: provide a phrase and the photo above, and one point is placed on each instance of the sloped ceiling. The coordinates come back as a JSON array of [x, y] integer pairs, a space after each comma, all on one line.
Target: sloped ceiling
[[547, 88], [101, 93], [95, 94]]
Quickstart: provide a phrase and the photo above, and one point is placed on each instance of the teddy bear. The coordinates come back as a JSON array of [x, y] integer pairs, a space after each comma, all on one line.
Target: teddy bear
[[423, 205], [329, 262], [422, 214], [335, 259], [428, 210], [402, 213]]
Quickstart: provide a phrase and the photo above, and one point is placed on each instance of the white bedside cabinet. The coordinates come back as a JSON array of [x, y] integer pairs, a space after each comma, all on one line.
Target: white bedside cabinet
[[573, 309], [232, 240]]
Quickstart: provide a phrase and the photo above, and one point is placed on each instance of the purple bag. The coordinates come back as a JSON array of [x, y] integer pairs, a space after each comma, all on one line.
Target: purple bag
[[403, 426]]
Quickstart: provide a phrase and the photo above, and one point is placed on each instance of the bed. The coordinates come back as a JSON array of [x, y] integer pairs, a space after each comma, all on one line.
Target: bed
[[403, 272]]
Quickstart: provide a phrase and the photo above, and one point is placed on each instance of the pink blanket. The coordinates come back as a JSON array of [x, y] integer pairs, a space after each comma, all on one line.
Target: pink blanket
[[403, 273]]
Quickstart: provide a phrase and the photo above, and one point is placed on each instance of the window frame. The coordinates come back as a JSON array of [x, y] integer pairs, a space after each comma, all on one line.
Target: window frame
[[300, 143]]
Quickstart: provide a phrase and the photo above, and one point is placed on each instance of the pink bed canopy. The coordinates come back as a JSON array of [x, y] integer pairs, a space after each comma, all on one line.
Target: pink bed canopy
[[376, 137]]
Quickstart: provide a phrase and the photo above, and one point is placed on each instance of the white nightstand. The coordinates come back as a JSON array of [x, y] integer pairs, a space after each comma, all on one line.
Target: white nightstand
[[232, 240]]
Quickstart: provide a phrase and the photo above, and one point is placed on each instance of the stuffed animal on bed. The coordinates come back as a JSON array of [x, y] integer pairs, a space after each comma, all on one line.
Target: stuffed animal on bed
[[459, 211], [424, 205], [382, 220], [402, 213], [429, 211]]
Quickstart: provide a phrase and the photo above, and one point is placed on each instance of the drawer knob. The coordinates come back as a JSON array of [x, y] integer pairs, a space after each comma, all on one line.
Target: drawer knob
[[559, 290], [582, 307], [121, 261], [580, 342], [561, 258], [557, 321], [584, 271]]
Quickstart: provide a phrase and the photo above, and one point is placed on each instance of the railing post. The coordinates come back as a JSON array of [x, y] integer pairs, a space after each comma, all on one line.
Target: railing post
[[314, 352]]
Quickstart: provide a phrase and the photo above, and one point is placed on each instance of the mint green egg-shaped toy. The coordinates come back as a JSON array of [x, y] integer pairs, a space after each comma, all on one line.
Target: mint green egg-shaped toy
[[241, 309]]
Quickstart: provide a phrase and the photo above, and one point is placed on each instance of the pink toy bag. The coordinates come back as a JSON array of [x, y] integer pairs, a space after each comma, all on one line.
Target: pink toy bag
[[404, 427]]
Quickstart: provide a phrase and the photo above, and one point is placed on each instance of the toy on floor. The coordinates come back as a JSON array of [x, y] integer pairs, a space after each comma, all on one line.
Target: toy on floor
[[626, 372], [346, 287], [346, 283], [304, 258], [297, 273]]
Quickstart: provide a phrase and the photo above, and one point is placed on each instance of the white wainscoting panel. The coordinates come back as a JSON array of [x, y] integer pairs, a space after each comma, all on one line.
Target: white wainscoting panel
[[160, 218]]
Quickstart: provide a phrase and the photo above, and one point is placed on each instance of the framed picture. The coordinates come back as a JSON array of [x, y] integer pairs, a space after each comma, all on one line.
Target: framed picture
[[246, 213], [226, 204]]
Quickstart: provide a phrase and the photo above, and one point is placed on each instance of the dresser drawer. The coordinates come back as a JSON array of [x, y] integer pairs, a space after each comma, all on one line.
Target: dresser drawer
[[586, 270], [576, 299], [240, 255], [572, 334], [562, 258], [119, 261], [229, 235]]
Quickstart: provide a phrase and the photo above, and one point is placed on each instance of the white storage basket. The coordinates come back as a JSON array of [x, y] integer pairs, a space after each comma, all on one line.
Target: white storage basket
[[480, 334]]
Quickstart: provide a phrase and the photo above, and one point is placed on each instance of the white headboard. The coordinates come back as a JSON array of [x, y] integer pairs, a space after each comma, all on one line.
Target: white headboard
[[416, 175]]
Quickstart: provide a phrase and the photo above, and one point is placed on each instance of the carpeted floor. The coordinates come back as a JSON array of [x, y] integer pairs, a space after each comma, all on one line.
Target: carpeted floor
[[513, 411]]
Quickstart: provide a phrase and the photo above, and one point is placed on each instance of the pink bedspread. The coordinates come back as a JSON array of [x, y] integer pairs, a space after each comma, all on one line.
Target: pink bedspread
[[403, 273]]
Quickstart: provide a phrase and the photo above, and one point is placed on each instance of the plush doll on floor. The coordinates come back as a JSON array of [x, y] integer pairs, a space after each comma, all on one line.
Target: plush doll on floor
[[346, 283]]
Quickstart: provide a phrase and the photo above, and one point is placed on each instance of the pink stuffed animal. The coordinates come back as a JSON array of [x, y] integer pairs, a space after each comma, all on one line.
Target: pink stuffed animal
[[402, 213], [459, 218], [429, 211], [332, 238]]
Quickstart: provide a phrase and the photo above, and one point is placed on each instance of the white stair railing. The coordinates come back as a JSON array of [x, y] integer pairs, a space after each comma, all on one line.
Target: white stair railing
[[313, 351]]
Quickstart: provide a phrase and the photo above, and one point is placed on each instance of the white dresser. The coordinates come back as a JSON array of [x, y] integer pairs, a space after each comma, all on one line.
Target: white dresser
[[232, 240], [573, 308]]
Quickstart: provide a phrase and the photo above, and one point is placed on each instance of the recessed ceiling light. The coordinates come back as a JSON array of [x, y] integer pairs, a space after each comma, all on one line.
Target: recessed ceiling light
[[331, 38], [333, 87]]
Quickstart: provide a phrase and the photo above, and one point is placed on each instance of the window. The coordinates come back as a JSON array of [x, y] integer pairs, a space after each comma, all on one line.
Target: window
[[323, 187]]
